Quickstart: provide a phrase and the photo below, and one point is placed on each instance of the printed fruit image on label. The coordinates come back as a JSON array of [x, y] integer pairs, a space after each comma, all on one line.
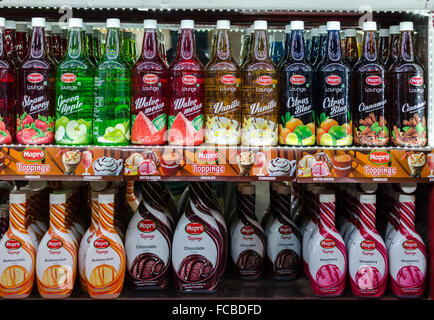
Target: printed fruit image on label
[[102, 275], [185, 132], [57, 276], [35, 131], [147, 132], [13, 276]]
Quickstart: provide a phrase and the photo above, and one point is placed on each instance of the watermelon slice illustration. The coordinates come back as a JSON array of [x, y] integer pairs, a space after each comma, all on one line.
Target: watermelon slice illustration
[[182, 132], [144, 132]]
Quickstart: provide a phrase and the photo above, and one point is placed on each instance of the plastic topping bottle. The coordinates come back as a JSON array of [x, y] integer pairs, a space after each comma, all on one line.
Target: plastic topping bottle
[[369, 93], [74, 91], [407, 96], [259, 93], [36, 85], [111, 113], [56, 260], [17, 253], [297, 123], [149, 91], [186, 86], [222, 92]]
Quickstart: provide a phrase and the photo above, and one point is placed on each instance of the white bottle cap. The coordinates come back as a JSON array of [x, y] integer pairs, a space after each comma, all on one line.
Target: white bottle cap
[[323, 29], [58, 198], [408, 187], [38, 22], [297, 25], [187, 24], [333, 25], [10, 24], [350, 33], [407, 197], [369, 26], [394, 30], [260, 25], [314, 32], [327, 197], [406, 26], [113, 23], [369, 187], [383, 33], [223, 25], [21, 27], [367, 198], [248, 189], [106, 198], [150, 24], [17, 197], [75, 23], [288, 28], [283, 189]]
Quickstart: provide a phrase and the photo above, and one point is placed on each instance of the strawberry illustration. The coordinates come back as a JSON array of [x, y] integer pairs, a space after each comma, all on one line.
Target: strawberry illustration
[[2, 126], [26, 135], [27, 120], [5, 137], [41, 125]]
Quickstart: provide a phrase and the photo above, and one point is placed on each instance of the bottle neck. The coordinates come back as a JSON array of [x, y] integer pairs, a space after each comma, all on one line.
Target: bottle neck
[[367, 214], [394, 46], [58, 219], [406, 46], [113, 42], [351, 47], [94, 215], [287, 45], [186, 45], [370, 46], [322, 46], [3, 49], [282, 204], [222, 47], [406, 211], [75, 43], [297, 45], [327, 215], [260, 45], [150, 45], [17, 217], [246, 206], [106, 216], [37, 46]]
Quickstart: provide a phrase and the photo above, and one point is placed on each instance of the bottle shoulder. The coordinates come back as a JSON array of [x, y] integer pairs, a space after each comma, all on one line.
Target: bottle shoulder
[[144, 65], [222, 65], [40, 64], [363, 66], [333, 66], [293, 66], [186, 65], [405, 66], [74, 64]]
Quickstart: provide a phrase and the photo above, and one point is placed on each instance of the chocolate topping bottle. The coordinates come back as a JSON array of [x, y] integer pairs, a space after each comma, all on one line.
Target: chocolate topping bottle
[[283, 238], [407, 96], [248, 238]]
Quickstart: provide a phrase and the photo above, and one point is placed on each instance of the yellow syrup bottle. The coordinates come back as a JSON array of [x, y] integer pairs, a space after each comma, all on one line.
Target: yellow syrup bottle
[[86, 240], [105, 257], [56, 260], [17, 253]]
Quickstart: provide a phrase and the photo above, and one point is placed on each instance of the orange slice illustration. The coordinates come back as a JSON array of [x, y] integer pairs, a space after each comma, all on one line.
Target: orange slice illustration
[[13, 276]]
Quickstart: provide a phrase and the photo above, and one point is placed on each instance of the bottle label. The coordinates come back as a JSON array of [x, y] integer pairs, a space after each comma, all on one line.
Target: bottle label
[[105, 266], [283, 249], [334, 125], [259, 108], [17, 267], [370, 120], [223, 107], [409, 123], [35, 121], [247, 250], [74, 106], [111, 115], [148, 113], [55, 265], [84, 245], [186, 119], [297, 124]]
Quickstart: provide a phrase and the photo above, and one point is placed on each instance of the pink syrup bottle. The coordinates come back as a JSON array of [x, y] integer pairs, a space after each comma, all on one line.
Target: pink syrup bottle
[[407, 253], [327, 253], [367, 254]]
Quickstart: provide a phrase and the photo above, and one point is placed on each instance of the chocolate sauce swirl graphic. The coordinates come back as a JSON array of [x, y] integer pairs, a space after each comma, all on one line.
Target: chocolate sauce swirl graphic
[[250, 260], [148, 269]]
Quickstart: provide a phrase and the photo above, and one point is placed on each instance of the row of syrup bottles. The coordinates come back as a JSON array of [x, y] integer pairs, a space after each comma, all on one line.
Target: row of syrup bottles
[[53, 260]]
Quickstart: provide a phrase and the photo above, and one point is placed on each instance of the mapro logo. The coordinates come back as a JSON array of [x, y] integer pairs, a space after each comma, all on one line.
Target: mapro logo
[[194, 228], [328, 243], [374, 80], [297, 79], [54, 244], [264, 80], [35, 77], [101, 243], [416, 81], [379, 157], [189, 80], [247, 230], [147, 225], [333, 80], [368, 245], [410, 245], [33, 154], [68, 77], [228, 79], [13, 244], [150, 78]]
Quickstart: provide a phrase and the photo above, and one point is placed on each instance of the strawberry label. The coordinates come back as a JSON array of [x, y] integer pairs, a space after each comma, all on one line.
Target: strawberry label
[[33, 154], [297, 79], [333, 80], [54, 244], [189, 80], [416, 81], [228, 79], [410, 245], [379, 157], [13, 244], [285, 230], [150, 78], [264, 80], [101, 243], [35, 77], [147, 225], [68, 77], [374, 80], [247, 230], [194, 228], [328, 243], [368, 245]]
